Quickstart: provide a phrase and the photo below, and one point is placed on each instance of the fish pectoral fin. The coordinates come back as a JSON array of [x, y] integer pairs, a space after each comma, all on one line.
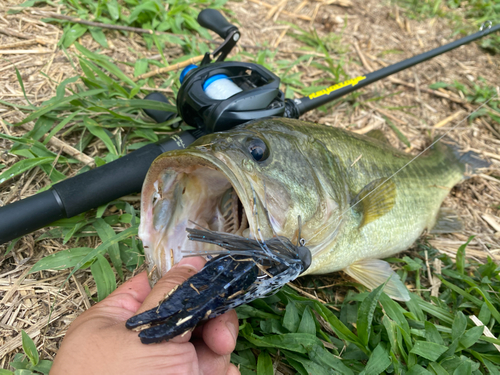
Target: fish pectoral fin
[[447, 221], [375, 200], [374, 272]]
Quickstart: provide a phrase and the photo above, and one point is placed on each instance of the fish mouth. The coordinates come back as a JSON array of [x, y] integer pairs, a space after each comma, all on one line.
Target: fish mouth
[[184, 190]]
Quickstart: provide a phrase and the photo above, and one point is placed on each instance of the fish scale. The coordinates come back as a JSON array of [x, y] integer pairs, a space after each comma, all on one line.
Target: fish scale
[[358, 198], [417, 203]]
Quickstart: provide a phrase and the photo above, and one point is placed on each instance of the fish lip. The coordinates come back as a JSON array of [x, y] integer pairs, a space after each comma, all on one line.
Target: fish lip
[[183, 161]]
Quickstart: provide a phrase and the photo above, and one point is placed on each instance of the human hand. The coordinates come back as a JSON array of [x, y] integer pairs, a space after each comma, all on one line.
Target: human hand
[[97, 342]]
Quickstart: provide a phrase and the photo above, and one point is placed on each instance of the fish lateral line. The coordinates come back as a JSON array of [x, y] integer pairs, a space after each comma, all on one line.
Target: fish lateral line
[[418, 155]]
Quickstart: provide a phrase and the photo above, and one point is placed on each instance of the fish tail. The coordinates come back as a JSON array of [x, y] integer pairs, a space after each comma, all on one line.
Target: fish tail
[[470, 162]]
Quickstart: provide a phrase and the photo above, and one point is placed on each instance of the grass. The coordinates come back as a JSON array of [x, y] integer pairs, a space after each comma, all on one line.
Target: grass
[[173, 16], [477, 93], [367, 333], [29, 362], [102, 104], [467, 16]]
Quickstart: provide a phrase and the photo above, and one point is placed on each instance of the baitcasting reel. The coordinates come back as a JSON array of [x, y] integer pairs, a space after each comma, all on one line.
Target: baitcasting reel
[[222, 95]]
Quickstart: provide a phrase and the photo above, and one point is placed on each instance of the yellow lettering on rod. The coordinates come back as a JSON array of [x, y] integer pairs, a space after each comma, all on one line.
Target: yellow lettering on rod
[[328, 90]]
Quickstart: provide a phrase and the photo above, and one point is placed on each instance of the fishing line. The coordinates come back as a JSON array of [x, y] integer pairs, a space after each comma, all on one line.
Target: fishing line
[[420, 154]]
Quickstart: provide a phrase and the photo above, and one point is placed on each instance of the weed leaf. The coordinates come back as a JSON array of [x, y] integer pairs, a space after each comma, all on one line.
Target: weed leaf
[[29, 348], [104, 277]]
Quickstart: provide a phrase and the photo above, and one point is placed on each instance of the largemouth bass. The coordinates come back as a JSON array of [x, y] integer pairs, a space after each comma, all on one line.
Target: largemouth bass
[[259, 180]]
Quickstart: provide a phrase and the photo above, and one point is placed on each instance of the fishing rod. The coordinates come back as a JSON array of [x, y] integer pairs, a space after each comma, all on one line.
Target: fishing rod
[[214, 96]]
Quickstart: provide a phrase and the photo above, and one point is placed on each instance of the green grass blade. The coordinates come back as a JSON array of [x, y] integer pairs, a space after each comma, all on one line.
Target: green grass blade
[[398, 132], [61, 125], [322, 356], [428, 350], [488, 302], [460, 261], [291, 320], [307, 324], [310, 366], [72, 33], [54, 105], [471, 336], [43, 366], [436, 311], [29, 348], [264, 364], [20, 80], [462, 292], [104, 62], [494, 370], [23, 166], [379, 361], [106, 232], [365, 314], [62, 259], [338, 327], [432, 334], [104, 277], [100, 133], [459, 326], [296, 342]]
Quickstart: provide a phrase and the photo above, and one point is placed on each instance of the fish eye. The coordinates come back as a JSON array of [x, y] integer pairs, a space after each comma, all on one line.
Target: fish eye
[[257, 148]]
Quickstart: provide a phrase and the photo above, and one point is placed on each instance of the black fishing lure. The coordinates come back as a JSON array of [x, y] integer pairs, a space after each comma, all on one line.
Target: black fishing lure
[[245, 270]]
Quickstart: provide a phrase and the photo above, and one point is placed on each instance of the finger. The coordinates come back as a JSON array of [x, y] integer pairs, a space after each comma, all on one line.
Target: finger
[[220, 333], [196, 262], [137, 286], [233, 370], [128, 297], [186, 268], [210, 362], [119, 305]]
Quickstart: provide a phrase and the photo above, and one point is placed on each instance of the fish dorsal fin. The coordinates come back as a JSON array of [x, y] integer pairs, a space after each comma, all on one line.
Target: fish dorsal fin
[[375, 200], [378, 135], [447, 221], [374, 272]]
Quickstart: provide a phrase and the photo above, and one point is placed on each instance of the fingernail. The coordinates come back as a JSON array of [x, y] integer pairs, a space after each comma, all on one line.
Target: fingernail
[[185, 263], [194, 262], [232, 328]]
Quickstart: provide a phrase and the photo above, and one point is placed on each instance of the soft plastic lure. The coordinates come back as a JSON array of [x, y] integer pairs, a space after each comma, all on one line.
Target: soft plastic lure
[[246, 269]]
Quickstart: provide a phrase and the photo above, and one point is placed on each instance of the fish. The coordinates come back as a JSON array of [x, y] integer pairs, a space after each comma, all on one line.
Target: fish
[[348, 199]]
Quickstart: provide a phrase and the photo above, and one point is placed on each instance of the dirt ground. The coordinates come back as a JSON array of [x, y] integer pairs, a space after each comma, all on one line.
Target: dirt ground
[[374, 34]]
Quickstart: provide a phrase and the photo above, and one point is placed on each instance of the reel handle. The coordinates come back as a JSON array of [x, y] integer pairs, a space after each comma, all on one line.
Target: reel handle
[[213, 20]]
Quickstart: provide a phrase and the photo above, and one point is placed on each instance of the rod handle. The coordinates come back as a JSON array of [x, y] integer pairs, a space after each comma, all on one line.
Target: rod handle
[[27, 215]]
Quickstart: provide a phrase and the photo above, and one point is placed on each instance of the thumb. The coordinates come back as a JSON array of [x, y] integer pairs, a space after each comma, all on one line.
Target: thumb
[[182, 271]]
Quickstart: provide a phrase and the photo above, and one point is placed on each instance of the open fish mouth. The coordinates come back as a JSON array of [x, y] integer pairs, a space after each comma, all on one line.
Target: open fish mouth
[[183, 190]]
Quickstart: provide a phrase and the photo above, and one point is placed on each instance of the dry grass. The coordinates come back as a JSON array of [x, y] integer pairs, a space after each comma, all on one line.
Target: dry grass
[[373, 28]]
